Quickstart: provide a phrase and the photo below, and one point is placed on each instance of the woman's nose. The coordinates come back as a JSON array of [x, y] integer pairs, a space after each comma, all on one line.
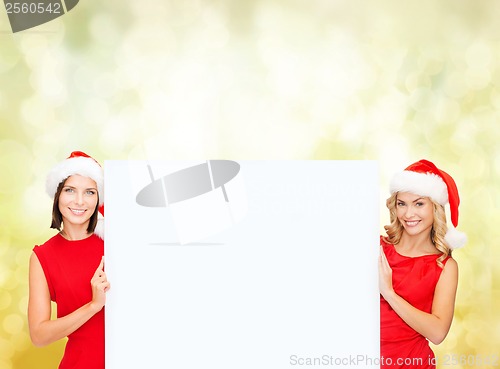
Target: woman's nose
[[79, 198], [409, 211]]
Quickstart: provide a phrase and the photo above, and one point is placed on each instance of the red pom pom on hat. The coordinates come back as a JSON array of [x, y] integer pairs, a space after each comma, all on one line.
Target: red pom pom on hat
[[425, 179]]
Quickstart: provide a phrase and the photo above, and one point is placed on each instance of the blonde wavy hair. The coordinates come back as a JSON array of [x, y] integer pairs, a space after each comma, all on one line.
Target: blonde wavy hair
[[395, 229]]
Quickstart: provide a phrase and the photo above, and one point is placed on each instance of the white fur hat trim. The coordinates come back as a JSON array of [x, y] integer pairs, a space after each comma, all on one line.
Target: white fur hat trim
[[423, 184]]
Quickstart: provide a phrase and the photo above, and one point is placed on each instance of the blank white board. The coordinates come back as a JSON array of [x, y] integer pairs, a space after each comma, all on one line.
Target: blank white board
[[290, 281]]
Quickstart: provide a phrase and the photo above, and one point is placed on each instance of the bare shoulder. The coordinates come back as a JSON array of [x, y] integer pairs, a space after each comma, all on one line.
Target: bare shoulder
[[449, 275], [451, 266], [36, 274], [34, 262]]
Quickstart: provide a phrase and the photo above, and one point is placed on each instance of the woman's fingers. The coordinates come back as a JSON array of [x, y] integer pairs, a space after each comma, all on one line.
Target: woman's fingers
[[100, 285], [99, 279], [385, 274], [100, 269], [383, 261], [105, 286], [100, 275]]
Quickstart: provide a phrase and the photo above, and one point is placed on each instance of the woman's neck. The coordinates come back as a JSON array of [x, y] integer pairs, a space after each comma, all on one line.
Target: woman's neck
[[416, 245], [74, 233]]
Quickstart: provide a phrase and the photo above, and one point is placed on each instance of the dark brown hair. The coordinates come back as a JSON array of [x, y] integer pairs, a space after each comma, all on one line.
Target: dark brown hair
[[57, 216]]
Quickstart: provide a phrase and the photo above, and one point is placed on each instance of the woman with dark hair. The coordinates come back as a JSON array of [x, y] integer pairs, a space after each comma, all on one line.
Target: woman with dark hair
[[69, 268], [417, 275]]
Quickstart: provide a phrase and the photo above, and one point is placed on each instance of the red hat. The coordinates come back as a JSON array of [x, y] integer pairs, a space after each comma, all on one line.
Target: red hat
[[425, 179], [79, 163]]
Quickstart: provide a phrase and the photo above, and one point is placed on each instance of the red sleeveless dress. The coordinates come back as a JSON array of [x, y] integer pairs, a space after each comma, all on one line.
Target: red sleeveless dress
[[414, 279], [69, 266]]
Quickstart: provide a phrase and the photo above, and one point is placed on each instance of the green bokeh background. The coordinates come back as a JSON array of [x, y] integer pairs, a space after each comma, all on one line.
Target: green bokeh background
[[393, 81]]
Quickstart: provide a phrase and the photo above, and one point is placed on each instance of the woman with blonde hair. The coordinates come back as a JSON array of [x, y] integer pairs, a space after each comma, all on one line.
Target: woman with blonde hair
[[417, 275]]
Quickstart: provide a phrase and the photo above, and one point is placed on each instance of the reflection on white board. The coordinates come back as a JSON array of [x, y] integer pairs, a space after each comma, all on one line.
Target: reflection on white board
[[204, 199]]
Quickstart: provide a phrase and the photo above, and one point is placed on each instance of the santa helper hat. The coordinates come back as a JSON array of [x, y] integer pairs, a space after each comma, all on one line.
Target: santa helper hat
[[79, 163], [425, 179]]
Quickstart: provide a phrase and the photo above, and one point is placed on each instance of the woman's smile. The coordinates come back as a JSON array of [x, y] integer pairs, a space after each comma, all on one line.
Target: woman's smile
[[78, 211], [412, 223]]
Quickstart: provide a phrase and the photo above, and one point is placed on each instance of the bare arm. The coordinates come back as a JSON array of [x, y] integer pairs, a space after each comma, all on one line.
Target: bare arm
[[43, 330], [433, 326]]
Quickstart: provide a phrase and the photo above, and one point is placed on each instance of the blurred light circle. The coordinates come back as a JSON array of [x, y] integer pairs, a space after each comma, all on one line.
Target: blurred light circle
[[15, 164], [5, 299], [13, 324]]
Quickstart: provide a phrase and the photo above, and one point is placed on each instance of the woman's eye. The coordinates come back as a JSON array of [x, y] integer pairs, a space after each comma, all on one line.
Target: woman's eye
[[68, 190], [420, 204], [90, 192], [400, 203]]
